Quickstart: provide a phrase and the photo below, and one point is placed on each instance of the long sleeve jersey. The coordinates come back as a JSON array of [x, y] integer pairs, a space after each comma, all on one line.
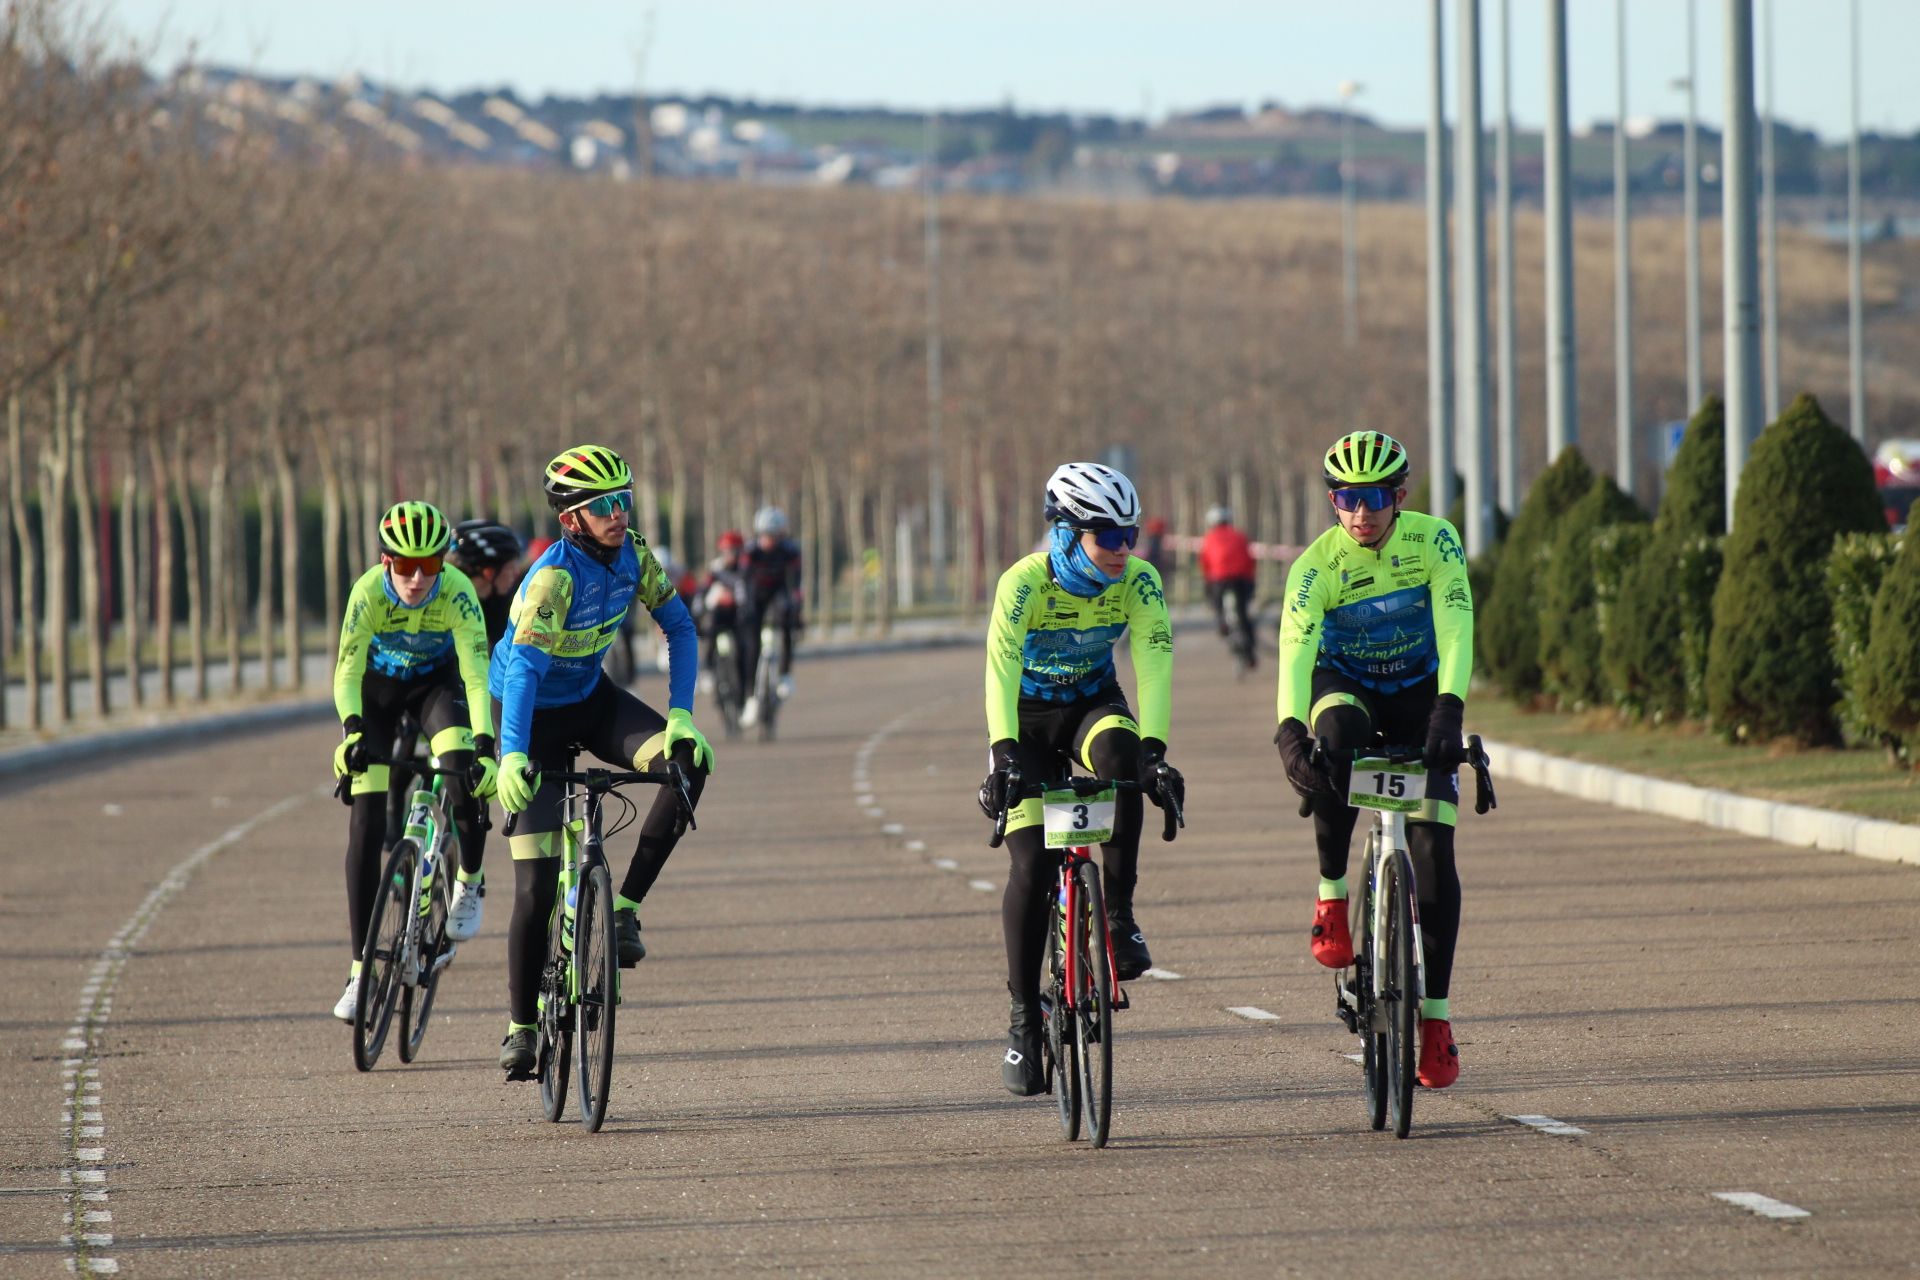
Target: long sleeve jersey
[[402, 641]]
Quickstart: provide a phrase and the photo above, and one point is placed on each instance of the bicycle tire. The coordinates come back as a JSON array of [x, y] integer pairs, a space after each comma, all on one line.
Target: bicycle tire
[[1373, 1052], [382, 957], [1063, 1062], [598, 956], [1093, 1018], [554, 1057], [1403, 994], [416, 1002], [764, 686]]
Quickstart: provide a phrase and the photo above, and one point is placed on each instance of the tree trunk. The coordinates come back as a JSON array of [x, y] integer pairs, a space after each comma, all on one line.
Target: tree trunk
[[856, 504], [9, 619], [93, 610], [226, 564], [289, 555], [372, 483], [130, 581], [821, 609], [993, 548], [649, 494], [197, 584], [889, 539], [331, 503], [55, 459], [162, 568], [29, 567], [689, 554], [263, 595]]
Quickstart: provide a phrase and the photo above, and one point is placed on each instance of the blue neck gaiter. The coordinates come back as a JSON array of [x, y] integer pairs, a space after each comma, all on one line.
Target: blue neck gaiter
[[1073, 568]]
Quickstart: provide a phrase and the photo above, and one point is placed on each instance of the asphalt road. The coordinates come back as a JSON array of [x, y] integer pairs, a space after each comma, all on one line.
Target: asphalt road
[[808, 1077]]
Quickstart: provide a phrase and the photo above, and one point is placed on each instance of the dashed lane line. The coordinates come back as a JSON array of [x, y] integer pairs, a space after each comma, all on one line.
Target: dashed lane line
[[1765, 1206], [1547, 1124], [1252, 1013], [1162, 975]]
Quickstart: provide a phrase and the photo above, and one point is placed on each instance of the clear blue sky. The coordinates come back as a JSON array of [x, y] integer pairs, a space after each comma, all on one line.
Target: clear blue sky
[[1117, 55]]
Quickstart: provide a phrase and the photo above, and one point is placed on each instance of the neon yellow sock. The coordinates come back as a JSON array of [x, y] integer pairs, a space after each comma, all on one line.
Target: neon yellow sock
[[1434, 1010], [513, 1026], [1333, 889], [621, 902], [478, 877], [353, 971]]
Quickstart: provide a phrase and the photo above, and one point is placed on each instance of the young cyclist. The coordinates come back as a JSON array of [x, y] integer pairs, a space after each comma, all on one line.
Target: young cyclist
[[1227, 566], [1053, 700], [550, 697], [771, 571], [412, 640], [1378, 638]]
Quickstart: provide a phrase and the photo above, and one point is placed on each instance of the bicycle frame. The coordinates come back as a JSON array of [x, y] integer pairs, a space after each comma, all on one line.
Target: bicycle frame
[[1387, 842], [1067, 912]]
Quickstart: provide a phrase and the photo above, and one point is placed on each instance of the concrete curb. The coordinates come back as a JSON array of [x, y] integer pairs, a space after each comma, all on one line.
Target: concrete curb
[[1794, 824]]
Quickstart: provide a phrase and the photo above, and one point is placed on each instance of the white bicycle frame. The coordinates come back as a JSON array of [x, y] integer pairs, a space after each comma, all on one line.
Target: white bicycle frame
[[1388, 836]]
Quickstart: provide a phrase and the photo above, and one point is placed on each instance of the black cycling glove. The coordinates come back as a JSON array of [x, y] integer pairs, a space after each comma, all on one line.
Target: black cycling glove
[[1443, 733], [993, 791], [1296, 754], [1162, 779]]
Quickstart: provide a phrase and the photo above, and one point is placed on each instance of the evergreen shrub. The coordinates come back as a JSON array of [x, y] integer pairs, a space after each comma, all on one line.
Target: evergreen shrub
[[1569, 628], [1508, 628], [1856, 569]]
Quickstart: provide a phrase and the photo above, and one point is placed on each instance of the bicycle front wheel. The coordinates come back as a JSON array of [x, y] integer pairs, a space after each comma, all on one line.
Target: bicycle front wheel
[[1402, 994], [430, 937], [1063, 1061], [555, 1056], [385, 956], [1093, 1019], [598, 957]]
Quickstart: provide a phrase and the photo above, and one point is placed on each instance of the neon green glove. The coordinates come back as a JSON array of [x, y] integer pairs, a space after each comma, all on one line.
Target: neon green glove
[[342, 766], [680, 729], [516, 792], [489, 780]]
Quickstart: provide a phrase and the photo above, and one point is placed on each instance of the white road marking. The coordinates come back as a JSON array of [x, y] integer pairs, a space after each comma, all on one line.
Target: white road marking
[[946, 864], [112, 810], [1163, 975], [863, 801], [1765, 1206], [916, 846], [1360, 1058], [1251, 1013], [80, 1083], [892, 829], [874, 811], [984, 886], [1547, 1124]]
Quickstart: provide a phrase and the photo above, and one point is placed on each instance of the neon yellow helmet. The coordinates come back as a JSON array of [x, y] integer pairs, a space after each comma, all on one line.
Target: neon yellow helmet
[[415, 529], [1365, 457], [582, 472]]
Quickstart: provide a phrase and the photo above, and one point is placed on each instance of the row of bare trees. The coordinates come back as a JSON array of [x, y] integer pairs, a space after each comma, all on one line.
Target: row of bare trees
[[225, 346]]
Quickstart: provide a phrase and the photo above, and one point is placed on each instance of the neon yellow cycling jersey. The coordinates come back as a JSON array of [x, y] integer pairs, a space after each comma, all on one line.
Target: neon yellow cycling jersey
[[1046, 644], [1388, 617], [401, 641]]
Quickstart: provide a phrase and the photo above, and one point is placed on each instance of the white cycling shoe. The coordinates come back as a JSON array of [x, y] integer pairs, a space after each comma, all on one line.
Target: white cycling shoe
[[706, 682], [785, 688], [750, 712], [463, 914], [343, 1007]]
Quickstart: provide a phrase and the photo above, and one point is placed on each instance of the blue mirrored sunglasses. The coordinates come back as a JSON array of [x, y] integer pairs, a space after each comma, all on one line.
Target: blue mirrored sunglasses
[[1116, 539], [607, 503], [1374, 497]]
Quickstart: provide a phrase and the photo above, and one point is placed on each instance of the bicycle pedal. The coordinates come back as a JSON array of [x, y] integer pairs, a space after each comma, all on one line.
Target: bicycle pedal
[[528, 1073], [1122, 1001]]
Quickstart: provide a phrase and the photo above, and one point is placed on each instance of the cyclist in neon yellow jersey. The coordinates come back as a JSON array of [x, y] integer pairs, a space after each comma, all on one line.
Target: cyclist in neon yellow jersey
[[412, 640], [1377, 637], [1053, 696]]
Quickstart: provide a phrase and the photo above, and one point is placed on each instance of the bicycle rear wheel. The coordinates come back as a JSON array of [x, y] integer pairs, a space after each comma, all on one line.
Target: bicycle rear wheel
[[726, 684], [1093, 1002], [416, 1001], [598, 956], [1402, 994], [765, 689], [1063, 1062], [1367, 961], [384, 956], [555, 1056]]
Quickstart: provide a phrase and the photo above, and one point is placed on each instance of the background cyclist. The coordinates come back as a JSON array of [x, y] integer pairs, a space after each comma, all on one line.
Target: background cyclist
[[551, 696], [412, 640], [1226, 565], [771, 569], [488, 552], [1378, 637], [1052, 696]]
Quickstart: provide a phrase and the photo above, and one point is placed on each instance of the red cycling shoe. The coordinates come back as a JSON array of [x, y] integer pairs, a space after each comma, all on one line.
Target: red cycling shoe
[[1332, 943], [1439, 1058]]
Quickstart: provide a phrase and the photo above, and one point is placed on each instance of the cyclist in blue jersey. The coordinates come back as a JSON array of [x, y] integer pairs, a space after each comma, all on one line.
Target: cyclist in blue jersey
[[549, 698]]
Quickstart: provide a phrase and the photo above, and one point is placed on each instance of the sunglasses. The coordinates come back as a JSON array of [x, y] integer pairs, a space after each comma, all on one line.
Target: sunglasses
[[407, 566], [1115, 539], [606, 504], [1374, 497]]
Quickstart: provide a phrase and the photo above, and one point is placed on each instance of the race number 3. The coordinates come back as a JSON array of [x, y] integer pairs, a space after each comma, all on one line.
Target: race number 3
[[1077, 820]]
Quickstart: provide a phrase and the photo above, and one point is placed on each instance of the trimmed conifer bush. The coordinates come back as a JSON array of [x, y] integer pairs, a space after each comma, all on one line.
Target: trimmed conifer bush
[[1856, 569], [1770, 664], [1509, 622], [1615, 550], [1569, 629]]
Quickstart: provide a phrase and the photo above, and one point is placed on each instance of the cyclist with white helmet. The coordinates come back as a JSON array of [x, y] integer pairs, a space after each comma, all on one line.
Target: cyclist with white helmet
[[412, 640], [552, 699], [1053, 699], [1378, 638], [771, 570]]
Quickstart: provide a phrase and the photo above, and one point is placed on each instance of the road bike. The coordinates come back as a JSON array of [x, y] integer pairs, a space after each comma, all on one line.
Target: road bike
[[407, 947], [580, 982], [1378, 995], [1083, 989]]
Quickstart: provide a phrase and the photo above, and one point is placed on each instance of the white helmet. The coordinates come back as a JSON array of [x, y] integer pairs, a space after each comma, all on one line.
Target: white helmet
[[1086, 495], [1218, 514], [769, 520]]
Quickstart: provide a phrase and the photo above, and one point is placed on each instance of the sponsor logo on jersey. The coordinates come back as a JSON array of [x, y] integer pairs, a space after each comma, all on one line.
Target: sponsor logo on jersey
[[1448, 547], [1020, 604], [1301, 596]]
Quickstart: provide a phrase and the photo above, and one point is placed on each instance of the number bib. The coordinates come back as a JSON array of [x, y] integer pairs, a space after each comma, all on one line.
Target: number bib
[[1074, 819], [1387, 784]]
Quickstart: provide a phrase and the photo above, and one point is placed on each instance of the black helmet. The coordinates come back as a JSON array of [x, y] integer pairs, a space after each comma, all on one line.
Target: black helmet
[[483, 544]]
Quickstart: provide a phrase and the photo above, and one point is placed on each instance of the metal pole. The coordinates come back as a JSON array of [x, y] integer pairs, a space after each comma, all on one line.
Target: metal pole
[[1624, 470], [1503, 199], [1470, 223], [1769, 225], [1856, 322], [1563, 410], [1740, 258], [1439, 287], [1691, 156], [936, 477], [1350, 273]]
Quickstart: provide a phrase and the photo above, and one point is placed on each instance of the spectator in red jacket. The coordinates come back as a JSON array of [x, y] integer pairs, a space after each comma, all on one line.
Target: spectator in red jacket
[[1226, 565]]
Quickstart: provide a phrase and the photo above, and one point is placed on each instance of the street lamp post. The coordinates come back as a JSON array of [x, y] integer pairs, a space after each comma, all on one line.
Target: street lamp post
[[1439, 285], [1690, 154], [1563, 406], [1856, 323], [1470, 373], [1769, 226], [1622, 266], [1503, 199], [1740, 267]]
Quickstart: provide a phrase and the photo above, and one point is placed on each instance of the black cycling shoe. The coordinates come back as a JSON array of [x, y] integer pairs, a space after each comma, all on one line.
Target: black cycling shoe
[[517, 1054], [626, 937], [1022, 1070], [1130, 955]]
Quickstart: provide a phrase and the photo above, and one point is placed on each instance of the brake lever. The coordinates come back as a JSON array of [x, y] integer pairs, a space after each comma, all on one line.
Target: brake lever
[[342, 788], [685, 796], [999, 835]]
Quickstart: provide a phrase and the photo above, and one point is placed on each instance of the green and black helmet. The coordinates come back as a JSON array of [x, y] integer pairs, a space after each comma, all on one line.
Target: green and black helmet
[[1365, 457], [583, 472], [415, 529]]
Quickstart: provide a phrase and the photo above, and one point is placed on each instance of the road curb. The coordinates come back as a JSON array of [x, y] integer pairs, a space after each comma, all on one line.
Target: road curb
[[1794, 824]]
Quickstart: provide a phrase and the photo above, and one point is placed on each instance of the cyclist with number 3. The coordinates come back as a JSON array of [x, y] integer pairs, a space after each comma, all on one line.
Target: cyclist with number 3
[[1377, 637], [550, 698], [1052, 695]]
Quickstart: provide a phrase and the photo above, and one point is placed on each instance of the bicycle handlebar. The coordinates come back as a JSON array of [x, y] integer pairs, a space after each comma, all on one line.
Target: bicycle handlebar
[[601, 781], [341, 788], [1475, 758], [1172, 818]]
